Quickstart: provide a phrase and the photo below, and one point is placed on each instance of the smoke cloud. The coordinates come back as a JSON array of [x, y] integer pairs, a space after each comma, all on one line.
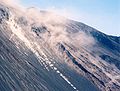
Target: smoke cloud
[[10, 2], [55, 24]]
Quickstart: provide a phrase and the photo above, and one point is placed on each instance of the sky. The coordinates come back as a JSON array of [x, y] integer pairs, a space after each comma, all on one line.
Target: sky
[[104, 15]]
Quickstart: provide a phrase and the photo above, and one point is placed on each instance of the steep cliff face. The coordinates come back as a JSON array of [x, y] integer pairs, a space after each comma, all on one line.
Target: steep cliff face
[[41, 51]]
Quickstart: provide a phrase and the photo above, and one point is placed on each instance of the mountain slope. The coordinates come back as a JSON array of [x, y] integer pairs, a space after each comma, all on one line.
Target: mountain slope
[[41, 51]]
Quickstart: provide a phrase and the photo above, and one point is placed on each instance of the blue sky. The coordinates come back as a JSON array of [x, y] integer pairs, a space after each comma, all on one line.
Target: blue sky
[[103, 15]]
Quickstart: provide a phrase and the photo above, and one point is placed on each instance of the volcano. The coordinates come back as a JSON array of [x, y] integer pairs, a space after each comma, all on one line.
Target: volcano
[[42, 51]]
